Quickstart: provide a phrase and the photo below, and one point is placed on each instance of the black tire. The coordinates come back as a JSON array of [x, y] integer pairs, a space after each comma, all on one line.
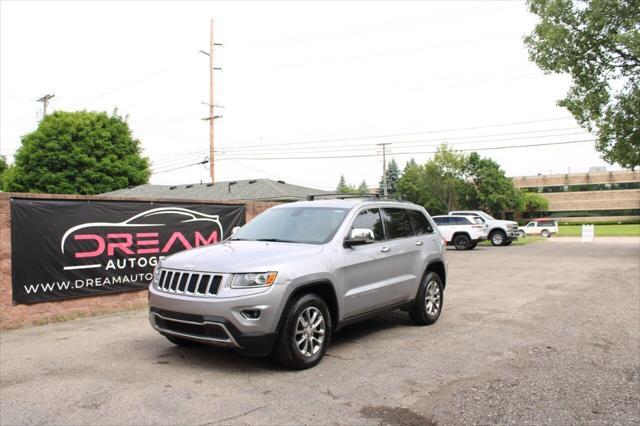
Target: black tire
[[545, 233], [419, 313], [472, 245], [286, 351], [461, 242], [508, 242], [497, 238], [521, 234], [179, 341]]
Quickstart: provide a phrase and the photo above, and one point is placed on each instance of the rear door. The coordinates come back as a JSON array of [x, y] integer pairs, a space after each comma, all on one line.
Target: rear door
[[426, 240], [405, 249]]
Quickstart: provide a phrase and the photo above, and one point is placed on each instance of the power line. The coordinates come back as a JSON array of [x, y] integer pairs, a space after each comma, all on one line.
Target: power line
[[419, 142], [409, 152], [368, 146], [375, 155], [389, 135], [155, 172]]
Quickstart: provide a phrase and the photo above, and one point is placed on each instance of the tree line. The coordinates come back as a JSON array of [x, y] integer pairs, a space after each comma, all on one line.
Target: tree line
[[453, 180]]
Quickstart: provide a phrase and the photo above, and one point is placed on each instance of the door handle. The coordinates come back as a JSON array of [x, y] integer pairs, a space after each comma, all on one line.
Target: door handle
[[419, 243], [385, 249]]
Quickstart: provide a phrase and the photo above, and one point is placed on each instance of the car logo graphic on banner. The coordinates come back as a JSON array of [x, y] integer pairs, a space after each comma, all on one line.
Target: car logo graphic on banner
[[72, 248], [132, 236]]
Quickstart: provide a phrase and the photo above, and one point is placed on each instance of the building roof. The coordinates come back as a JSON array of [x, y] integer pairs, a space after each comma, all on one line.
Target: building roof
[[253, 189]]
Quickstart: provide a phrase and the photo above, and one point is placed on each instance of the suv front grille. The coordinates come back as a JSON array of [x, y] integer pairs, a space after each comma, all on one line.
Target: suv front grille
[[189, 283]]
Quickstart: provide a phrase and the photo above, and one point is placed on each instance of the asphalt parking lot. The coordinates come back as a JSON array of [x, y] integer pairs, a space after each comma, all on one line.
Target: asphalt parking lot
[[546, 333]]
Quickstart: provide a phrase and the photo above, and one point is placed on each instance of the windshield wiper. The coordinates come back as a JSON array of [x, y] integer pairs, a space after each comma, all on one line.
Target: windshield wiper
[[275, 240]]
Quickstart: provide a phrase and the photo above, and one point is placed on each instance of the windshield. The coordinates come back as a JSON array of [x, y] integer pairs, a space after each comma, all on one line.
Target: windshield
[[478, 220], [309, 225], [486, 216]]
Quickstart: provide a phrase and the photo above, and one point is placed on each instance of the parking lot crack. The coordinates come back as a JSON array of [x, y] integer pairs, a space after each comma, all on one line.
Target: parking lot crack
[[226, 419]]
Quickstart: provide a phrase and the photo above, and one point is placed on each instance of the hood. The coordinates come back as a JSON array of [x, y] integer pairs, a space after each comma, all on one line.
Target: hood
[[240, 256], [507, 222]]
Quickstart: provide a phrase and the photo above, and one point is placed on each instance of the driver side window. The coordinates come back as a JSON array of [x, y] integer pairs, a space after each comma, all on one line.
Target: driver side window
[[370, 219]]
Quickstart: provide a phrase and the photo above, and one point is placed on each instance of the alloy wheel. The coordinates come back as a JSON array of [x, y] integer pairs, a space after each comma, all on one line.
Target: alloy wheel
[[432, 298], [310, 331]]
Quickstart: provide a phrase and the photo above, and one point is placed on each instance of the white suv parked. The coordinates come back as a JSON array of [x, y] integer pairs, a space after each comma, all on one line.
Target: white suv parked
[[542, 227], [463, 232], [501, 232]]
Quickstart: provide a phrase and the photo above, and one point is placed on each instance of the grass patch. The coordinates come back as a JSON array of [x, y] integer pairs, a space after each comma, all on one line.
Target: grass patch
[[623, 230]]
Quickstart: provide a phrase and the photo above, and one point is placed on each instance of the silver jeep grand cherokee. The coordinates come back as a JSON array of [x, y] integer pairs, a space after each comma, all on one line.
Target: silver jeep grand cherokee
[[287, 280]]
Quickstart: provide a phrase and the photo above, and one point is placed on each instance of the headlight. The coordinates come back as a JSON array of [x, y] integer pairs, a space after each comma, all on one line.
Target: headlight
[[156, 275], [258, 279]]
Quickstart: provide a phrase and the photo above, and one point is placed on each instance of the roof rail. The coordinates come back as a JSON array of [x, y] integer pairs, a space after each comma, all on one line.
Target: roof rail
[[342, 196]]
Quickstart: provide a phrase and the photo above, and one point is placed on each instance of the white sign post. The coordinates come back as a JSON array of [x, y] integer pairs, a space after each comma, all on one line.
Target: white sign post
[[588, 233]]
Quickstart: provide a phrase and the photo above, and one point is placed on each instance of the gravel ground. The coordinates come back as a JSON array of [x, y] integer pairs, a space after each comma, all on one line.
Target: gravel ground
[[547, 333]]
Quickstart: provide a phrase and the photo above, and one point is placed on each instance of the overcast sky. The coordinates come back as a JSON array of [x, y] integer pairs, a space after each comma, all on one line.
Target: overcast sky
[[299, 80]]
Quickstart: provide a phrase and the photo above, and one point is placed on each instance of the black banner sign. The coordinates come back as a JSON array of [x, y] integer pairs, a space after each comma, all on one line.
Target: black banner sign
[[63, 249]]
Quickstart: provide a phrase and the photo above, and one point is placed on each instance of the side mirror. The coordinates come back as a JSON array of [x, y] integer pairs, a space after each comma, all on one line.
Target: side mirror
[[235, 230], [359, 236]]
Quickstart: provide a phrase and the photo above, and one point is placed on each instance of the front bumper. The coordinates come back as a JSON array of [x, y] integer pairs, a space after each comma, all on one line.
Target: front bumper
[[210, 330], [220, 319]]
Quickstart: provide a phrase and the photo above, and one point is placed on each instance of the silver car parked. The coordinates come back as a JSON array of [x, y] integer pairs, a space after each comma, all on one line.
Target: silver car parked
[[297, 273]]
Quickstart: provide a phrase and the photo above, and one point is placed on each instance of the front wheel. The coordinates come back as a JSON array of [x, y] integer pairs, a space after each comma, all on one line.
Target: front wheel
[[429, 301], [497, 238], [521, 234], [305, 333], [545, 233]]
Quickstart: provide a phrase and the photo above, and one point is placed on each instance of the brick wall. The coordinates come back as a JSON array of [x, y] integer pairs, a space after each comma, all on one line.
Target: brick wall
[[12, 316]]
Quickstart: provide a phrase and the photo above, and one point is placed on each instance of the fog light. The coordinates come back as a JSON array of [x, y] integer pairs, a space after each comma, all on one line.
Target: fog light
[[252, 314]]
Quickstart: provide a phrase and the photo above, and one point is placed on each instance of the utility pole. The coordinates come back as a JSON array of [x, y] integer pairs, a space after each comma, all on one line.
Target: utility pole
[[212, 105], [45, 102], [384, 168]]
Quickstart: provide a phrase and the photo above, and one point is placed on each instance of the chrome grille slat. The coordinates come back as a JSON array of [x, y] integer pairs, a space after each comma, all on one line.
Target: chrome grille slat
[[209, 284], [202, 284]]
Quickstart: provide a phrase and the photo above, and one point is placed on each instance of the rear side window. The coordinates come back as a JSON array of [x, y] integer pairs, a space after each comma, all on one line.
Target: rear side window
[[420, 223], [396, 223], [441, 221], [370, 219], [459, 220], [546, 223]]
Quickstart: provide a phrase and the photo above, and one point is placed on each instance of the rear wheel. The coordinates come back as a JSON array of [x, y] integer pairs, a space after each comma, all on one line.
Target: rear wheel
[[305, 333], [498, 238], [461, 242], [429, 301]]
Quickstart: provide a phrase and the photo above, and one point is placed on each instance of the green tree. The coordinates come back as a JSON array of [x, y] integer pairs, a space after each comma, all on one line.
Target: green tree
[[78, 153], [3, 168], [597, 42], [439, 185], [490, 189], [393, 176], [363, 188], [344, 188], [534, 202]]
